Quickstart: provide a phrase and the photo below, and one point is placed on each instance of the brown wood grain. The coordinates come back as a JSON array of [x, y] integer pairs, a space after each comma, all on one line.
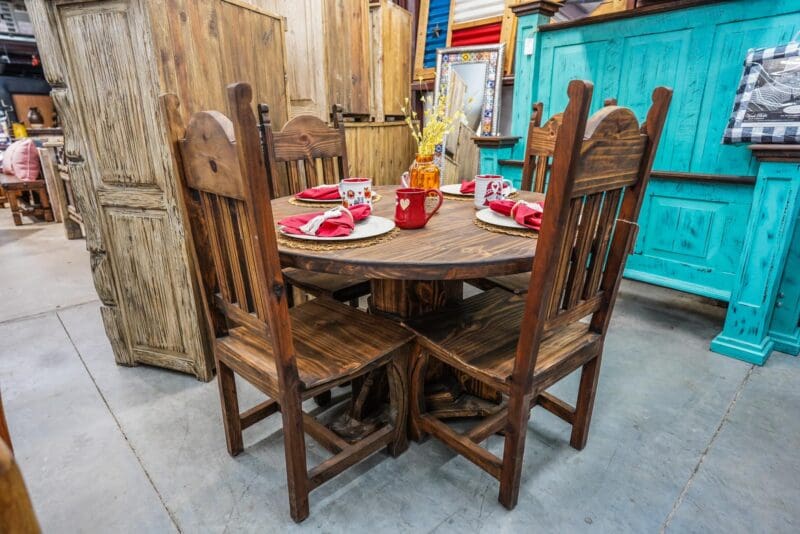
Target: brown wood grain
[[289, 354], [523, 344], [450, 247]]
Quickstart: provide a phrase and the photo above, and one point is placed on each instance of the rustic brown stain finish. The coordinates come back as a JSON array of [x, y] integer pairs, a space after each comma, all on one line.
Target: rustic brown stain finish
[[288, 355], [450, 247], [522, 345], [308, 153]]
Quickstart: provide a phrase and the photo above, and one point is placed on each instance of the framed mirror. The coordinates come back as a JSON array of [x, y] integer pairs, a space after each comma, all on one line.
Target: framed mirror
[[478, 71]]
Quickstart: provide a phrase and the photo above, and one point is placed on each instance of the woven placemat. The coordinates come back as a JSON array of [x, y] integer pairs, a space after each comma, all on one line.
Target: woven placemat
[[530, 234], [294, 202], [326, 246]]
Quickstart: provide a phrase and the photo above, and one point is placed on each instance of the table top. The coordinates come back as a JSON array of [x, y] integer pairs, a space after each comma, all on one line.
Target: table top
[[450, 247]]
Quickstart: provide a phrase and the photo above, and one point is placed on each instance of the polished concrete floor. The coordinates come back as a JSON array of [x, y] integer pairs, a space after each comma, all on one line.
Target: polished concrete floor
[[683, 440]]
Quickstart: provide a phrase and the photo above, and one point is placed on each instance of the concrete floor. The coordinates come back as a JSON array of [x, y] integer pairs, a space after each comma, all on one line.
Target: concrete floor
[[683, 440]]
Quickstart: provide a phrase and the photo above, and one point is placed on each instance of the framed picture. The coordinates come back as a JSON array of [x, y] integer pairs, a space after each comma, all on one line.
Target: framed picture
[[480, 69], [767, 105]]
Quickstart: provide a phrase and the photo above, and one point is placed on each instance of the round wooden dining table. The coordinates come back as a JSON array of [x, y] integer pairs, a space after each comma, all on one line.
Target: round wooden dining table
[[423, 270], [420, 270]]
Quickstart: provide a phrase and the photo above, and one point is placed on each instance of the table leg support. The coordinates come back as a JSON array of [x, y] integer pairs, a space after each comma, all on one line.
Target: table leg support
[[776, 201]]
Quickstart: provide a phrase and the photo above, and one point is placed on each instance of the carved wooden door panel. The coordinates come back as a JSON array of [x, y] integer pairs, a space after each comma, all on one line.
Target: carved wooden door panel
[[106, 88]]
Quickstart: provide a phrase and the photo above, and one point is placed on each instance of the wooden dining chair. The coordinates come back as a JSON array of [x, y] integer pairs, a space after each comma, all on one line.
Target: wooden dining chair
[[539, 149], [307, 153], [288, 354], [523, 344]]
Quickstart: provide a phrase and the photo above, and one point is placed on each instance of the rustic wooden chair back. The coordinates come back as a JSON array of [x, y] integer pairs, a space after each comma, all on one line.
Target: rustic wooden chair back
[[539, 149], [228, 206], [306, 153], [600, 170]]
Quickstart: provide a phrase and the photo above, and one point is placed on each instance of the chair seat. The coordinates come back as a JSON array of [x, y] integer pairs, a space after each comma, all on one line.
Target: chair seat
[[332, 341], [516, 283], [480, 336], [335, 286]]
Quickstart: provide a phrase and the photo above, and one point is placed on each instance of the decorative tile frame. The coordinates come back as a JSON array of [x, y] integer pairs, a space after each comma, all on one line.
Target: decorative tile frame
[[492, 56]]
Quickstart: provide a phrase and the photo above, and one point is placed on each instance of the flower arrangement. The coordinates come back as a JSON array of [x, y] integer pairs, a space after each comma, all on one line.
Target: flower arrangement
[[437, 123]]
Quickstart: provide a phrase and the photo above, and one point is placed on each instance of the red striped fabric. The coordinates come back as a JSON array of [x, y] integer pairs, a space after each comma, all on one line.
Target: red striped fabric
[[486, 34]]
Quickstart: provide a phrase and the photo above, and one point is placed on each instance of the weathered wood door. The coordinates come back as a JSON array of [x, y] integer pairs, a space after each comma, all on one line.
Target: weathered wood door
[[108, 61], [306, 81]]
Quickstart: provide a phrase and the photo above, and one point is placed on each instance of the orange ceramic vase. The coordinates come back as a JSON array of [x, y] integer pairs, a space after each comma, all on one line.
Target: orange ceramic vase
[[424, 173]]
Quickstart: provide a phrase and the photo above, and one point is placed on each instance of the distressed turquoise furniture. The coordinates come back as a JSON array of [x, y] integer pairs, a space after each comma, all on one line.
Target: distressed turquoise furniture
[[696, 217]]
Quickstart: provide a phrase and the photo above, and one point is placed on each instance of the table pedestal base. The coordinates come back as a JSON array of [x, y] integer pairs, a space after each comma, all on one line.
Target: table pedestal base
[[449, 394]]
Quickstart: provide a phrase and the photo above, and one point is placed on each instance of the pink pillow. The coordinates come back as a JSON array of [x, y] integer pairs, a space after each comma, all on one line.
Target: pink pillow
[[23, 160], [8, 155]]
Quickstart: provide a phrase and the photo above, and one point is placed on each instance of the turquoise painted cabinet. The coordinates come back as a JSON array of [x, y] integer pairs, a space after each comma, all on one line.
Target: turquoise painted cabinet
[[697, 209]]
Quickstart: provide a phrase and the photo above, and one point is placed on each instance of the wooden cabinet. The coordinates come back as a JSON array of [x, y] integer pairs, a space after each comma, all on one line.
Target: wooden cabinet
[[107, 62]]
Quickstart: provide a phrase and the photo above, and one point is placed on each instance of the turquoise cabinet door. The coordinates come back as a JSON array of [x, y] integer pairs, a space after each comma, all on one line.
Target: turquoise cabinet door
[[691, 236], [731, 42]]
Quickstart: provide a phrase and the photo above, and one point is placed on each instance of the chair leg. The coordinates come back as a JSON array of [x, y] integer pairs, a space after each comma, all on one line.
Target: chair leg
[[419, 364], [585, 404], [294, 446], [230, 409], [397, 374], [514, 448]]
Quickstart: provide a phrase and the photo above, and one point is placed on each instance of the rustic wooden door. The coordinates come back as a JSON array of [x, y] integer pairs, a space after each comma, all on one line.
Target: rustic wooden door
[[108, 62]]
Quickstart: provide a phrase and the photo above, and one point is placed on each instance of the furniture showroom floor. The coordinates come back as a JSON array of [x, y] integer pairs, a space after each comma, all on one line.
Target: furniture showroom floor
[[682, 440]]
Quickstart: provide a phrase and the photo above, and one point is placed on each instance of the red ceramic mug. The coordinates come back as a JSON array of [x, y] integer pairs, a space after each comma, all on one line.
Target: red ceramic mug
[[410, 210]]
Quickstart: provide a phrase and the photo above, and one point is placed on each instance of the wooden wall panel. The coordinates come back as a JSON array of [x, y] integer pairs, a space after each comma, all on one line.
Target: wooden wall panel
[[391, 58], [348, 58], [381, 151], [306, 73]]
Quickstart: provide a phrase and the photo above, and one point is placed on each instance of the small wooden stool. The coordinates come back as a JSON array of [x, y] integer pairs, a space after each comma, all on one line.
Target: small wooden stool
[[14, 188]]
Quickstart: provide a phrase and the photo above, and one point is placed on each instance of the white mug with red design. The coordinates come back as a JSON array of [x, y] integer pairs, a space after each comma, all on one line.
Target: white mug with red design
[[490, 187], [355, 191]]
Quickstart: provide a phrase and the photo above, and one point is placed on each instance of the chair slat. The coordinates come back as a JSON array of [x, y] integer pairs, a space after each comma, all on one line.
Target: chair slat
[[232, 248], [328, 173], [583, 244], [602, 242], [557, 295], [249, 261], [218, 253]]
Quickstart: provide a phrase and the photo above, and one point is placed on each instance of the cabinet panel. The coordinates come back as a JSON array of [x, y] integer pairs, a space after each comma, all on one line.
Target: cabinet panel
[[150, 286], [103, 43]]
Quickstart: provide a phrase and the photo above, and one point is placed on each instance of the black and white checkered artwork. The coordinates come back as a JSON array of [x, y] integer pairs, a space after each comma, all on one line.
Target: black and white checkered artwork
[[767, 105]]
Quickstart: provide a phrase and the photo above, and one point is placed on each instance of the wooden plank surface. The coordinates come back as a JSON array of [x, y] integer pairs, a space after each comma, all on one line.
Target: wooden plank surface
[[381, 151], [450, 247]]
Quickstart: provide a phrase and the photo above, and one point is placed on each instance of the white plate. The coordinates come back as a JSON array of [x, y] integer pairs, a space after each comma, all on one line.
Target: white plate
[[319, 200], [455, 189], [372, 226], [492, 217]]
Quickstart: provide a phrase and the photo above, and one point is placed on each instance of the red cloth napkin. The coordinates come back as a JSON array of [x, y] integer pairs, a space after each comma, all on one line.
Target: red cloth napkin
[[321, 192], [336, 222], [468, 188], [527, 214]]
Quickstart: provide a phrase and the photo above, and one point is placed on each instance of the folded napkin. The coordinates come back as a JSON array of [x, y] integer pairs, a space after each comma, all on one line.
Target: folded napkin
[[337, 222], [527, 214], [320, 192], [468, 188]]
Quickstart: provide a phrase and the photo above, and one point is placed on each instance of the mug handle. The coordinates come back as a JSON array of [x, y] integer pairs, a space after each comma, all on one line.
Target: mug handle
[[404, 180], [507, 186], [439, 205]]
